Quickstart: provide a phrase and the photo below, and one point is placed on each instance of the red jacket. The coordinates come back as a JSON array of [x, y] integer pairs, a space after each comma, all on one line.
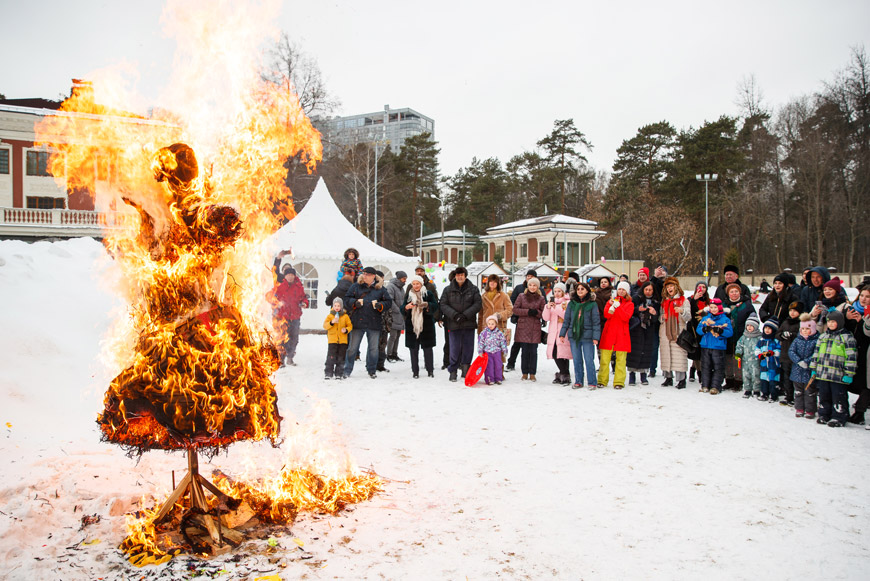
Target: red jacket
[[288, 300], [615, 335]]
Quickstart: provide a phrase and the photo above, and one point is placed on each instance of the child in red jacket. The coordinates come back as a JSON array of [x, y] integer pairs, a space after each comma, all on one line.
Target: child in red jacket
[[615, 337]]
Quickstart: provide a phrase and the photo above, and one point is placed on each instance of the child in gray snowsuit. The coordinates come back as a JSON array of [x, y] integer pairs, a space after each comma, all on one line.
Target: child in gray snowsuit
[[744, 351]]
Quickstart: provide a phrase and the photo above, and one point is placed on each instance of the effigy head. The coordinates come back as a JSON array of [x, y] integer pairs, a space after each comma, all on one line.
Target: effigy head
[[175, 164]]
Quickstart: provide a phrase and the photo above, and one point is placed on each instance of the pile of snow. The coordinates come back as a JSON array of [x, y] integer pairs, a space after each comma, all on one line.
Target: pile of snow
[[517, 481]]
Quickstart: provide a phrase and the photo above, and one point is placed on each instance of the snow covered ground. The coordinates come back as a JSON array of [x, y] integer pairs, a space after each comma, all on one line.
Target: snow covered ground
[[520, 481]]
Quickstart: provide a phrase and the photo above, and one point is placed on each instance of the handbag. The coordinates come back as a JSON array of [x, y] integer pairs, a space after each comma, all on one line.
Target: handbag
[[688, 342]]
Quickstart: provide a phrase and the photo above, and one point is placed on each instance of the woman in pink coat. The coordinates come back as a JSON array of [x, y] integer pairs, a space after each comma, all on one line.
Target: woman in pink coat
[[554, 313]]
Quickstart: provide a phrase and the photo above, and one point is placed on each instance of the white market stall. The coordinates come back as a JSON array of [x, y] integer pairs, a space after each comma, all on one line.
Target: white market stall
[[318, 237], [592, 272], [478, 272]]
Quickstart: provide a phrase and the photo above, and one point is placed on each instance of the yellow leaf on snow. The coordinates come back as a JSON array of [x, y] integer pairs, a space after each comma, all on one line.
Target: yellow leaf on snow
[[92, 542], [268, 578], [299, 542]]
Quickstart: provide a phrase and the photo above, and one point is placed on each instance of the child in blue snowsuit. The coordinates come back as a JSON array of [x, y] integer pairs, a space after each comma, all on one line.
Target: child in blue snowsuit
[[801, 354], [767, 350], [714, 328]]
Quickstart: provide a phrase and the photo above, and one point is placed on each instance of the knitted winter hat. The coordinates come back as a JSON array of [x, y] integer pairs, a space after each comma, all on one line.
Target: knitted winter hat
[[288, 269], [340, 304], [808, 322], [753, 320], [418, 279], [834, 283], [559, 286], [838, 317], [797, 306], [772, 323], [716, 302], [701, 283], [644, 270], [781, 277], [492, 318], [624, 286], [532, 272], [400, 274]]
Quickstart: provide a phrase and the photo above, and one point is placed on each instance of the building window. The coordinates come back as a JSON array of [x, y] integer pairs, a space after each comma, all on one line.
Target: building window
[[45, 202], [308, 275], [524, 250], [543, 249], [4, 161], [387, 272], [37, 163]]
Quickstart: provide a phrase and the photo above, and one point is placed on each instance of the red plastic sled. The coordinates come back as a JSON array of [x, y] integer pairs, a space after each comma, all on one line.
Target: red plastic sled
[[475, 372]]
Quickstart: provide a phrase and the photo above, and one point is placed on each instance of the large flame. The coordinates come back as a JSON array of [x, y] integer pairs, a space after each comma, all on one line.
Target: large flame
[[202, 181]]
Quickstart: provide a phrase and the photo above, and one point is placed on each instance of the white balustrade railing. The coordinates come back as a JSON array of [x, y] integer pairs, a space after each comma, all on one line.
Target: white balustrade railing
[[64, 218]]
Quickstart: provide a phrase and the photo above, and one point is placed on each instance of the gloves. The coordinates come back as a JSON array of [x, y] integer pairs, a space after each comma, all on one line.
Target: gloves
[[459, 317], [533, 312], [804, 364], [847, 380]]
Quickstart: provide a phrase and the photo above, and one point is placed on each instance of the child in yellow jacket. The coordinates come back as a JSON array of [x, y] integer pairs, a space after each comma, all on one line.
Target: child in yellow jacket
[[338, 327]]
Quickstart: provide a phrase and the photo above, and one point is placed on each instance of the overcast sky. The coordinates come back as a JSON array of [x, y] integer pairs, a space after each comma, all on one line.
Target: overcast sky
[[493, 75]]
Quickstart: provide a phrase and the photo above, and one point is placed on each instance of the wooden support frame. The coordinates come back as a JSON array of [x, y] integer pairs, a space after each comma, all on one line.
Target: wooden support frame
[[196, 484]]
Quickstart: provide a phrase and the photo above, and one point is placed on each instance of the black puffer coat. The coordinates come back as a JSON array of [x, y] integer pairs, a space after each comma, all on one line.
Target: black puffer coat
[[643, 334], [427, 336], [463, 300], [365, 316]]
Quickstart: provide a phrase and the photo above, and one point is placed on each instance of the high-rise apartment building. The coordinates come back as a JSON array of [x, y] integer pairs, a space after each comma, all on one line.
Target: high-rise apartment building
[[390, 126]]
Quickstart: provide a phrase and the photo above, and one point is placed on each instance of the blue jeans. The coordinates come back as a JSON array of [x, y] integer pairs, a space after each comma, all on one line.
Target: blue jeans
[[356, 336], [583, 352]]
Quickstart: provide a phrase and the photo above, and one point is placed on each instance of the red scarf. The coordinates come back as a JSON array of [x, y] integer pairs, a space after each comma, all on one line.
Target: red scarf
[[671, 306]]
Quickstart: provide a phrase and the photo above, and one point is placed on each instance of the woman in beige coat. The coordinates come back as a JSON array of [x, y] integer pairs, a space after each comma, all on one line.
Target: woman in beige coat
[[496, 302], [675, 313]]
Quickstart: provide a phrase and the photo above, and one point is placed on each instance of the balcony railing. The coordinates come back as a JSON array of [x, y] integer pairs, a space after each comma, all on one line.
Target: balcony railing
[[60, 222]]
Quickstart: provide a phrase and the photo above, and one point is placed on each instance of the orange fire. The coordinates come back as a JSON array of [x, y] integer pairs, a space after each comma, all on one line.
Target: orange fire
[[202, 182]]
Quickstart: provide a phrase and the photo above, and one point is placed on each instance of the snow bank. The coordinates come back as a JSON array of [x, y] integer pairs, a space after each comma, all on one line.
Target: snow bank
[[520, 481]]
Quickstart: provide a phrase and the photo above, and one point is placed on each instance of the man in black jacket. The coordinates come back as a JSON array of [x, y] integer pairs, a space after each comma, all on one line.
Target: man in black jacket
[[460, 304], [515, 348], [340, 290], [365, 302], [732, 276]]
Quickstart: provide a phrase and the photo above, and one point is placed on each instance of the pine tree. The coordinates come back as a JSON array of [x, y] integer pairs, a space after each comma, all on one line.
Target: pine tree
[[561, 152]]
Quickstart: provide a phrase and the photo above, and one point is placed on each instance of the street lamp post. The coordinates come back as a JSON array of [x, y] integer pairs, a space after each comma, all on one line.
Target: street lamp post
[[707, 178]]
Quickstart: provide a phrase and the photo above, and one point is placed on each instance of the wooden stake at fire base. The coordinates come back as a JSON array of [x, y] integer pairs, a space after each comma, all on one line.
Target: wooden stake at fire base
[[194, 483]]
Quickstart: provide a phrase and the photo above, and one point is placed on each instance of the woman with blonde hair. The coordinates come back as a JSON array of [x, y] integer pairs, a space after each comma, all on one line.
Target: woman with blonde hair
[[529, 310]]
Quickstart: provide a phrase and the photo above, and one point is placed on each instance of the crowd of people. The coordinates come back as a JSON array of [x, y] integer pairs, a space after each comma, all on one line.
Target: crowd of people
[[805, 346]]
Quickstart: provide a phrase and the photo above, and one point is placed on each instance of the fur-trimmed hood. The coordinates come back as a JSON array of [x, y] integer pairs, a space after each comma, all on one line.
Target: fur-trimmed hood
[[379, 282]]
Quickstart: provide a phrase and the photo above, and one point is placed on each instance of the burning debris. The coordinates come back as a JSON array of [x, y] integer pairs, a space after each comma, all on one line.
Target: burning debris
[[203, 187]]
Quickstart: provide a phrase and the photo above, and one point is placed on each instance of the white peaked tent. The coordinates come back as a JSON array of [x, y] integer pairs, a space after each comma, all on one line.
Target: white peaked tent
[[318, 237]]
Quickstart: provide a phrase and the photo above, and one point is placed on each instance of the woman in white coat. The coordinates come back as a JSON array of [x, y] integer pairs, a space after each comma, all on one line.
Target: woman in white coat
[[675, 313]]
